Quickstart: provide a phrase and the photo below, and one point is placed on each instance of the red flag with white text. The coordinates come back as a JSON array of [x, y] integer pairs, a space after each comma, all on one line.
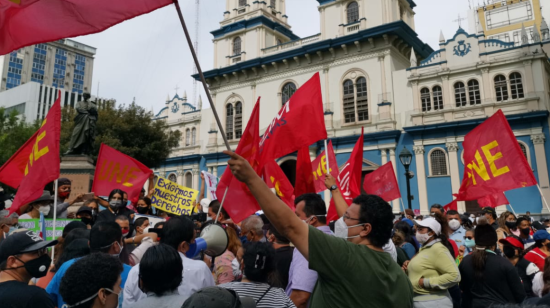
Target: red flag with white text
[[239, 201], [383, 183], [275, 178], [43, 161], [304, 176], [319, 167]]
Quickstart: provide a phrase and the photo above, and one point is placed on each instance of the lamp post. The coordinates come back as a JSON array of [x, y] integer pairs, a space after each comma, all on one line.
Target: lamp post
[[406, 157]]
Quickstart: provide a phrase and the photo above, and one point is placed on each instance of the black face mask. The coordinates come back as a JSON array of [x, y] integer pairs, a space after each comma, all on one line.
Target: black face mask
[[38, 267], [87, 221], [511, 224], [525, 231], [509, 251], [142, 210]]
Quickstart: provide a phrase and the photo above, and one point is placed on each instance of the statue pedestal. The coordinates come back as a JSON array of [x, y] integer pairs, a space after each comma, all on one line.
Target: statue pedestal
[[80, 170]]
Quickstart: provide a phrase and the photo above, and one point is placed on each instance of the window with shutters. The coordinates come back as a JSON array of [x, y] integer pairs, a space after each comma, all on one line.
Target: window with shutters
[[362, 100], [523, 149], [516, 86], [473, 92], [234, 120], [437, 94], [349, 102], [194, 136], [242, 2], [237, 46], [273, 4], [229, 121], [288, 89], [238, 120], [356, 102], [501, 88], [187, 137], [438, 162], [353, 12], [460, 95], [426, 99]]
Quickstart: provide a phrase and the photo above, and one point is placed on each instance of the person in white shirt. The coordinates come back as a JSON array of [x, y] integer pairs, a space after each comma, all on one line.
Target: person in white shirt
[[178, 232]]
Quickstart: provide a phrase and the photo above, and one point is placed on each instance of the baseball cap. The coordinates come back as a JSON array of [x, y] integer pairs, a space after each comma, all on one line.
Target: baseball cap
[[22, 242], [431, 223], [541, 235], [216, 297], [84, 209], [408, 221], [488, 210], [512, 241]]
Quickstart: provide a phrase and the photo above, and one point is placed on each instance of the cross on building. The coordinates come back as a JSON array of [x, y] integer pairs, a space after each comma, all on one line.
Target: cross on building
[[459, 20], [176, 88]]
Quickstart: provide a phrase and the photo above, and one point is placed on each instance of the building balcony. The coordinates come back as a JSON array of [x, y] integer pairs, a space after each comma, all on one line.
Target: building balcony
[[185, 118], [291, 45]]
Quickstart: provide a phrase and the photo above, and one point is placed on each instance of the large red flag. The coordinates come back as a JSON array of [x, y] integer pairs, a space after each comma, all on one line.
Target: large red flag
[[239, 201], [382, 182], [28, 22], [453, 205], [42, 165], [319, 166], [118, 170], [349, 179], [13, 171], [301, 122], [493, 200], [494, 161], [304, 175], [276, 178]]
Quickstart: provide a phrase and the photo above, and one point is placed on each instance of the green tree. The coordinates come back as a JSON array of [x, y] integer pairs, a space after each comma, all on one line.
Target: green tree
[[129, 129]]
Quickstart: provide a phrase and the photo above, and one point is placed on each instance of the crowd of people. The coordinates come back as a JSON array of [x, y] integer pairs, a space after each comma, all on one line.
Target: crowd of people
[[119, 253]]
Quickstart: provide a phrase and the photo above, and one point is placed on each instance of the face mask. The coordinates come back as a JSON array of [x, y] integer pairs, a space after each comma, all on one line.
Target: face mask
[[510, 224], [341, 229], [477, 219], [11, 230], [44, 210], [142, 210], [115, 204], [509, 251], [469, 243], [454, 224], [116, 255], [525, 231], [547, 230], [422, 238], [64, 195], [472, 219], [125, 233], [38, 267], [87, 221], [94, 296]]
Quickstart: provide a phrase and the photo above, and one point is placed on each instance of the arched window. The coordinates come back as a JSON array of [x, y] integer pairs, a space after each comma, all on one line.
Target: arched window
[[473, 92], [187, 137], [155, 179], [238, 120], [173, 178], [501, 87], [523, 149], [189, 180], [460, 94], [242, 2], [194, 136], [516, 86], [438, 98], [273, 4], [356, 102], [426, 99], [353, 12], [237, 46], [288, 89], [438, 162], [229, 122]]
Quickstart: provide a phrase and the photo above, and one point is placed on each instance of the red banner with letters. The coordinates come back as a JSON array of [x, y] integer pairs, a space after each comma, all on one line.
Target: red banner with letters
[[493, 161], [319, 168], [275, 178], [13, 171], [42, 166], [118, 170], [383, 183]]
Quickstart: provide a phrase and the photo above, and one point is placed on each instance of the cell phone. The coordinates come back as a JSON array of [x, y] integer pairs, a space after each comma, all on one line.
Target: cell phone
[[88, 196]]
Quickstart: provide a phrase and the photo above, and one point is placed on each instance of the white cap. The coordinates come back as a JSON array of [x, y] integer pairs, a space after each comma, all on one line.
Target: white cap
[[431, 223], [205, 203]]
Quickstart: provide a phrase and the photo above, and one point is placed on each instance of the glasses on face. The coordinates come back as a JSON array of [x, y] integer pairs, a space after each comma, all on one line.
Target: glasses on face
[[347, 217], [468, 237]]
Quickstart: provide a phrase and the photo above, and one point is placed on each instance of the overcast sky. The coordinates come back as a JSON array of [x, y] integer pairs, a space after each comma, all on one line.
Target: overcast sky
[[147, 57]]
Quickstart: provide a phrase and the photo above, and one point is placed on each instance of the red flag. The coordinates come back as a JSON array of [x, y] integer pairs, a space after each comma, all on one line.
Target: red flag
[[42, 165], [118, 170], [451, 206], [276, 178], [493, 200], [304, 175], [28, 22], [319, 167], [382, 183], [349, 179], [299, 123], [494, 161], [239, 202], [13, 171]]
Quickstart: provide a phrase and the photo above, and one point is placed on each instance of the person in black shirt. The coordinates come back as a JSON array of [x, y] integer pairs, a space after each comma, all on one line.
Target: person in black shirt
[[24, 255], [116, 208], [283, 256], [512, 248], [491, 216]]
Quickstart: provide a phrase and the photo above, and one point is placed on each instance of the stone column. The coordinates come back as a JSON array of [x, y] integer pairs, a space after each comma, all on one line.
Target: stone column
[[396, 204], [421, 179], [452, 149], [215, 170], [528, 82], [181, 175], [487, 84], [447, 93], [542, 168], [196, 176]]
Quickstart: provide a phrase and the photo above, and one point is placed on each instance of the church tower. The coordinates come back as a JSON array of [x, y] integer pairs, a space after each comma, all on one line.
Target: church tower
[[248, 27]]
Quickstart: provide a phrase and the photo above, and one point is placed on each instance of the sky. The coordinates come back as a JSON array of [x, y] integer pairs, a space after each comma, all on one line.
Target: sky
[[147, 58]]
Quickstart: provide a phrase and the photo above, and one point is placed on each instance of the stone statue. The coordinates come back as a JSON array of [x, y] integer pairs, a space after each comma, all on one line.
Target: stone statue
[[82, 139]]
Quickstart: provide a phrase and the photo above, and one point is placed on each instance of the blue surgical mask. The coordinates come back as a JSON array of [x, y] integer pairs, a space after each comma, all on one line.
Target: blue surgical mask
[[469, 243]]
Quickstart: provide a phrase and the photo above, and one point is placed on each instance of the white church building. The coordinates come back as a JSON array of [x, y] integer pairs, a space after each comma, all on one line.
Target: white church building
[[377, 74]]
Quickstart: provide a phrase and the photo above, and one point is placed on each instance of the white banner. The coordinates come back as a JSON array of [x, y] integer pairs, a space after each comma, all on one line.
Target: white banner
[[211, 182]]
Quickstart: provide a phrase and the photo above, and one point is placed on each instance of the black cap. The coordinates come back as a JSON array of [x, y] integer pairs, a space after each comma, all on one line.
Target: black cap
[[216, 297], [488, 210], [84, 209], [22, 242]]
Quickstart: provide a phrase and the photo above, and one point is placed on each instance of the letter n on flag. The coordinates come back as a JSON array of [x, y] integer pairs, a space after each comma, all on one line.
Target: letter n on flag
[[275, 178], [239, 202], [42, 165], [319, 166], [382, 182], [493, 161], [118, 170]]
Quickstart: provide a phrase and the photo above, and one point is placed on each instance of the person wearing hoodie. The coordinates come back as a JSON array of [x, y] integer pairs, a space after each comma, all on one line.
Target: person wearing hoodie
[[116, 207]]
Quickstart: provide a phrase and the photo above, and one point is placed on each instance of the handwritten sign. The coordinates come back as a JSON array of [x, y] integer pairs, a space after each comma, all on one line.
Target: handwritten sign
[[173, 198], [34, 225]]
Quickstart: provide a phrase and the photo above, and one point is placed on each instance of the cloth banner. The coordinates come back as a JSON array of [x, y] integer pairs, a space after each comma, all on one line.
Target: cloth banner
[[211, 182], [382, 182], [275, 178]]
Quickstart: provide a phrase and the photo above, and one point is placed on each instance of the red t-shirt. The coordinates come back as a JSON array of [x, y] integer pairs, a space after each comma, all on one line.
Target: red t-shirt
[[536, 256], [455, 247]]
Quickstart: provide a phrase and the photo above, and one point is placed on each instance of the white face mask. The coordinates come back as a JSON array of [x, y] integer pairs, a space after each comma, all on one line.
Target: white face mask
[[422, 238], [341, 229], [454, 224], [116, 255], [45, 209]]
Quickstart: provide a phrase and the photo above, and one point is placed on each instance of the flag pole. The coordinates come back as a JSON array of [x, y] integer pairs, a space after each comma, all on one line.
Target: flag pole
[[221, 205], [326, 157], [54, 218], [512, 208], [402, 205], [544, 199], [203, 80]]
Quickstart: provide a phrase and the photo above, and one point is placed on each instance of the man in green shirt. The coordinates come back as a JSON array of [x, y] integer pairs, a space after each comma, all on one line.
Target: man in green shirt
[[352, 273]]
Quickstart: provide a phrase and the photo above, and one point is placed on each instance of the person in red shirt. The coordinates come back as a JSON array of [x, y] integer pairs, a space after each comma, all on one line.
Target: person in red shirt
[[541, 249]]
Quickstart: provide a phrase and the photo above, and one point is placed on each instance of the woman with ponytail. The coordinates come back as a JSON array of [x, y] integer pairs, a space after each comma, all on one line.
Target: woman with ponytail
[[488, 279]]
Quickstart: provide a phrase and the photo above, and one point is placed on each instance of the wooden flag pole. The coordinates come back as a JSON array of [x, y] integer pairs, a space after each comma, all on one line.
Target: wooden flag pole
[[203, 80], [543, 199], [326, 157]]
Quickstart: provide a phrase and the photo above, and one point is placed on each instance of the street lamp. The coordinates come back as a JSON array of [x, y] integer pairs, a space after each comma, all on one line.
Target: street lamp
[[406, 157]]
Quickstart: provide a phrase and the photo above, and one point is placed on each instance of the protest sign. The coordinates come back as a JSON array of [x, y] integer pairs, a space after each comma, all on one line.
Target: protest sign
[[173, 198], [153, 220], [211, 182], [34, 225]]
